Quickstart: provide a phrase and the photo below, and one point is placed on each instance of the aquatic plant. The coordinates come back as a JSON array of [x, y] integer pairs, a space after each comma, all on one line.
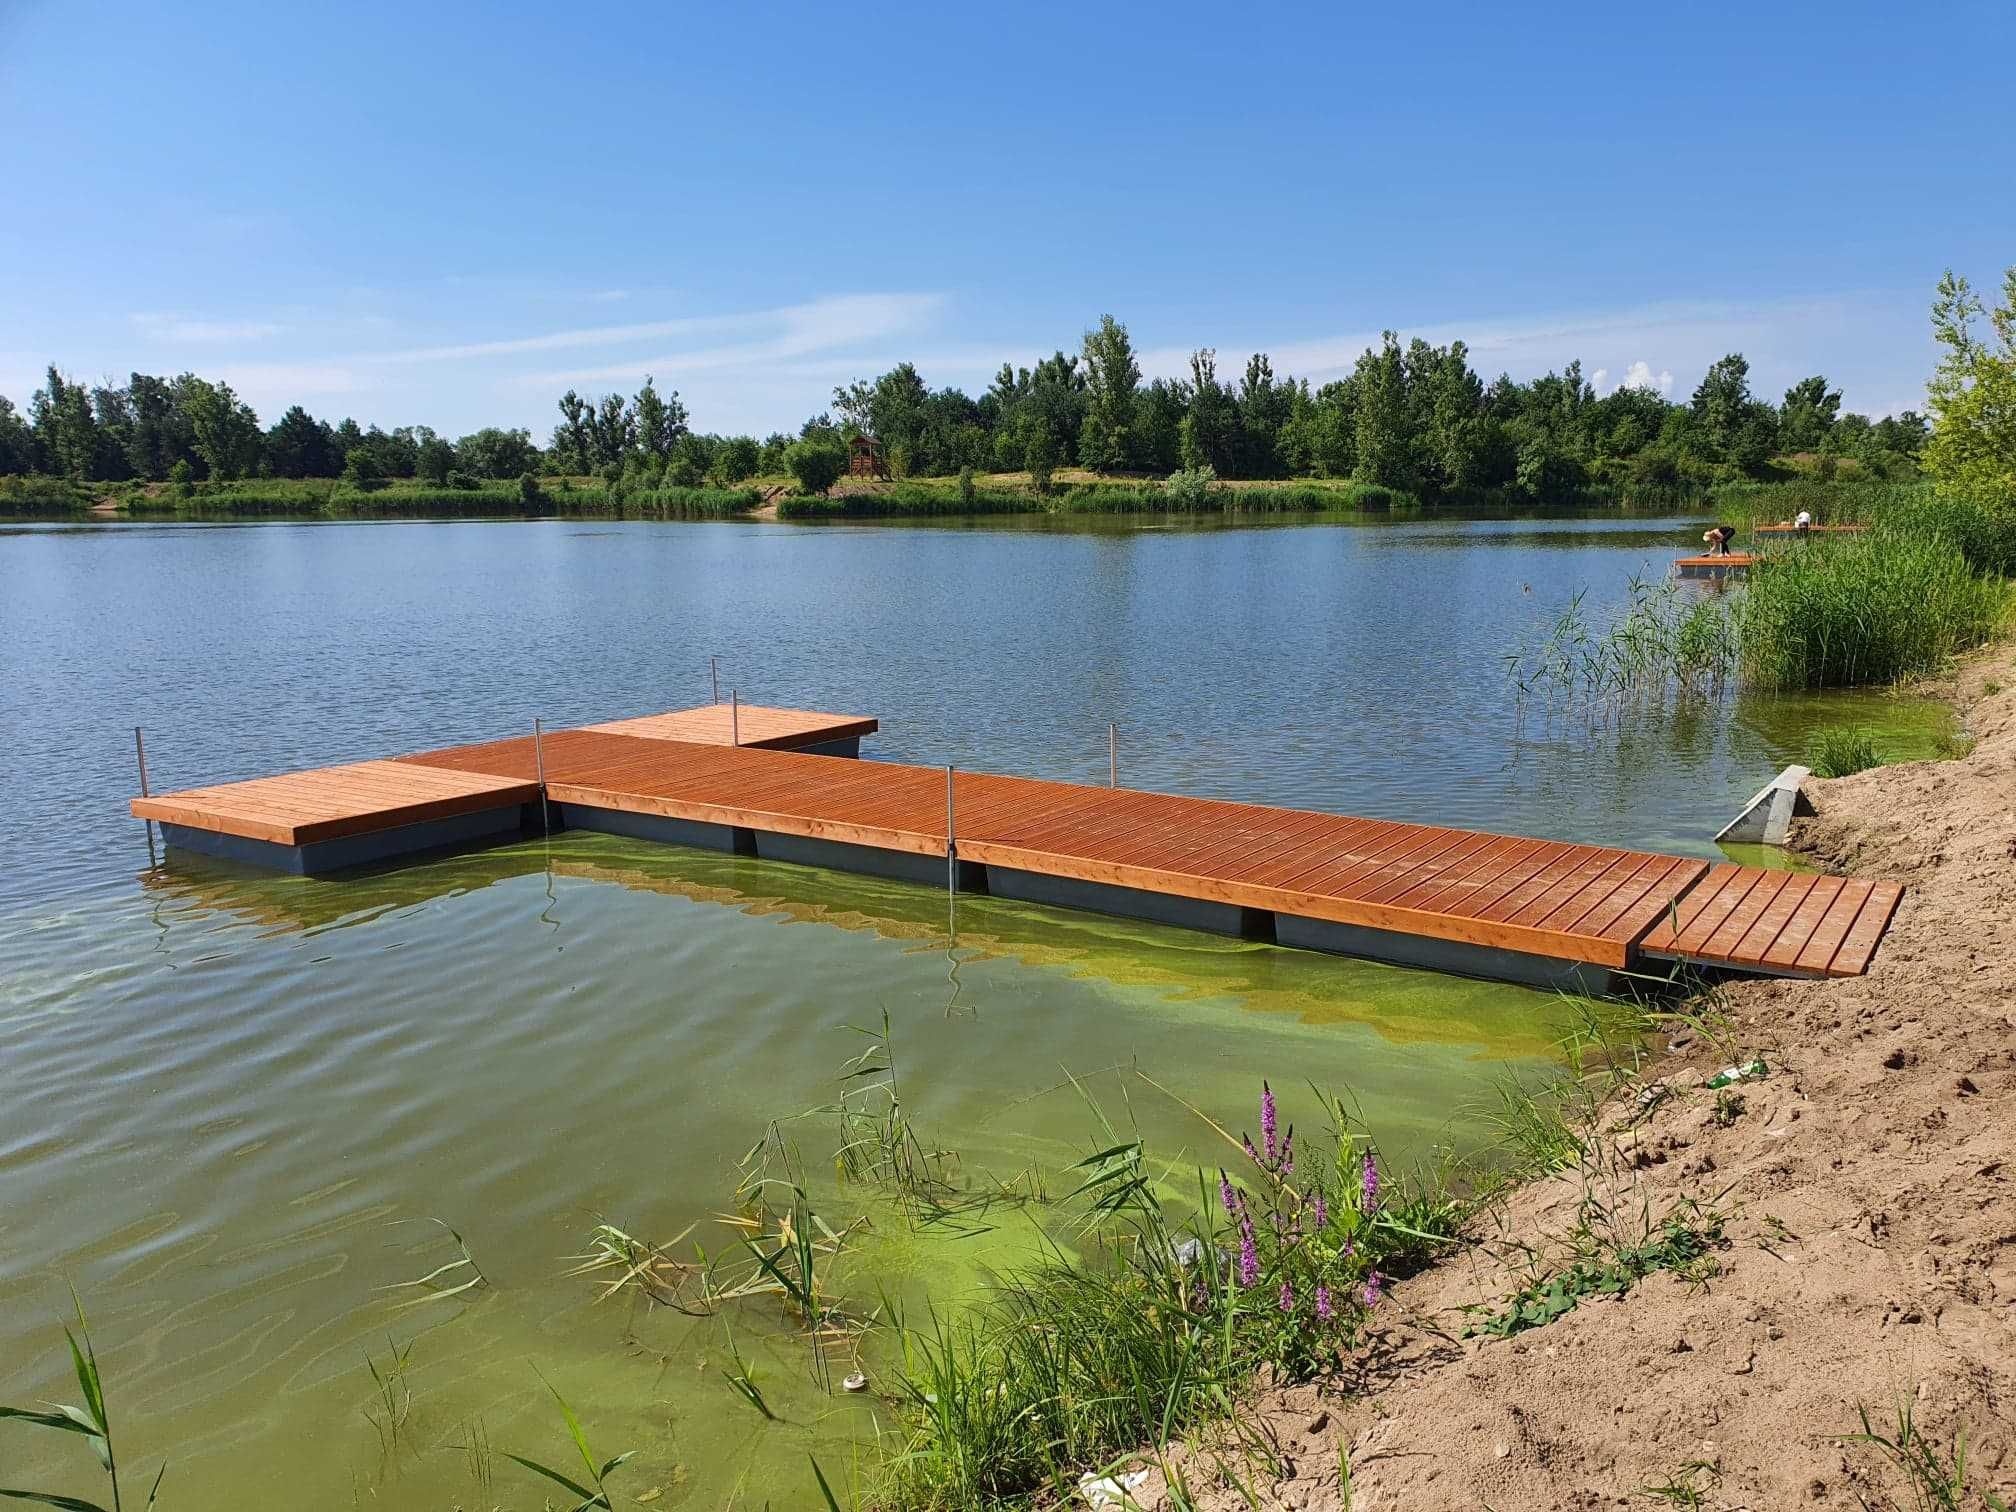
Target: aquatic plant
[[1157, 1324], [650, 1267], [595, 1493], [392, 1402], [463, 1272], [743, 1379], [1841, 751], [1665, 640], [1864, 609], [90, 1419]]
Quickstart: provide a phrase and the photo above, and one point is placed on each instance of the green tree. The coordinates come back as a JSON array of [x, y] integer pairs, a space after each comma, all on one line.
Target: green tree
[[816, 463], [1040, 457], [1382, 443], [227, 433], [496, 453], [296, 447], [1971, 452], [17, 441], [571, 449], [1730, 425], [1112, 375], [160, 433], [612, 430], [1264, 408], [435, 461], [738, 458], [1209, 436], [1806, 419], [1156, 435], [660, 420], [66, 429]]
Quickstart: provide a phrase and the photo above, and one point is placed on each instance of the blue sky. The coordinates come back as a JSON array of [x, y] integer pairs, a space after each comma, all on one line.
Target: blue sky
[[447, 213]]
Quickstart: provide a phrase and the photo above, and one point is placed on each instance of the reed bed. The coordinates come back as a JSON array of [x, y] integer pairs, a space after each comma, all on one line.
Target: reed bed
[[1665, 640], [1893, 604]]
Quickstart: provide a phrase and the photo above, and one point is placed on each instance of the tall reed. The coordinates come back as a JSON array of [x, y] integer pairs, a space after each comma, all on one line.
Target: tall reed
[[1871, 609]]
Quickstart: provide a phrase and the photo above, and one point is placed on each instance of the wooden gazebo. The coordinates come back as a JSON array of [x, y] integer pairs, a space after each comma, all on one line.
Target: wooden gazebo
[[864, 458]]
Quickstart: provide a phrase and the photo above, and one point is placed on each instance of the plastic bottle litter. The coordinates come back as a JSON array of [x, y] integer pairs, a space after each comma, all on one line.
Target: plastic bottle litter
[[1110, 1490], [1729, 1074]]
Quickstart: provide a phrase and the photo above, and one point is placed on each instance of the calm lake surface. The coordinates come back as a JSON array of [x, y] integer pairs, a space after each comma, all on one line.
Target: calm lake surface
[[233, 1101]]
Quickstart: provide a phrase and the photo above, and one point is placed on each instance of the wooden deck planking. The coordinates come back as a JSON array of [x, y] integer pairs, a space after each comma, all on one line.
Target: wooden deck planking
[[1858, 946], [760, 727], [1789, 923], [1791, 529], [304, 808], [1592, 904]]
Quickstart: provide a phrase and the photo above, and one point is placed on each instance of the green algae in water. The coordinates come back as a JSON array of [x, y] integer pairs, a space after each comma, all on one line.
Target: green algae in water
[[527, 1041]]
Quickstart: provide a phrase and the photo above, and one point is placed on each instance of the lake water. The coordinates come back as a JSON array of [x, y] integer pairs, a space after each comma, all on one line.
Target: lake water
[[234, 1101]]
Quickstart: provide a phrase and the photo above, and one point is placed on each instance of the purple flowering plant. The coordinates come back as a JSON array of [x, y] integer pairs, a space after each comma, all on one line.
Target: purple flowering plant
[[1306, 1249]]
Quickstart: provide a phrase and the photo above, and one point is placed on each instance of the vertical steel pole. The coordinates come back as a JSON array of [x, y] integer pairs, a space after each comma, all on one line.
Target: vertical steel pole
[[951, 841], [140, 755], [539, 760], [714, 674], [734, 716], [1112, 755]]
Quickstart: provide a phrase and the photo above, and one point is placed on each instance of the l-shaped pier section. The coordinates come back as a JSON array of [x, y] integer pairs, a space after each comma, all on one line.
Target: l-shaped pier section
[[765, 782]]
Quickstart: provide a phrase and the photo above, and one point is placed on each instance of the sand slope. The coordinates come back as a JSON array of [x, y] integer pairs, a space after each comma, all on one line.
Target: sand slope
[[1870, 1183]]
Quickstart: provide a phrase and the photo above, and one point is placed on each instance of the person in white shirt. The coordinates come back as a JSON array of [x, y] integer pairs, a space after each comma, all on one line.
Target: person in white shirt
[[1803, 522]]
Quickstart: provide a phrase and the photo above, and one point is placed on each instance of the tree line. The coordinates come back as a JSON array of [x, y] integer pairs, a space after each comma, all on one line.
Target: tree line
[[1413, 417], [1416, 417]]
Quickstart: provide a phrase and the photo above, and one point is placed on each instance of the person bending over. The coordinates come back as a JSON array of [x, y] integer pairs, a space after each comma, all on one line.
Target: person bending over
[[1718, 539]]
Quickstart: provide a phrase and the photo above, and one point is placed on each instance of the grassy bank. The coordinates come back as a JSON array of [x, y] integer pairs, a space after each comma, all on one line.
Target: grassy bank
[[337, 499], [1086, 494]]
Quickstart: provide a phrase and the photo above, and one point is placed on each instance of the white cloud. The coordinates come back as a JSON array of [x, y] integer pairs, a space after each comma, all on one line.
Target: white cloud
[[1639, 376], [793, 331], [195, 332], [804, 327]]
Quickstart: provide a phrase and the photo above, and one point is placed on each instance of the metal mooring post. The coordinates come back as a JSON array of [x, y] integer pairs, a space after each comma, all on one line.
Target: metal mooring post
[[951, 840], [714, 676], [539, 762], [734, 716], [140, 755], [1112, 755]]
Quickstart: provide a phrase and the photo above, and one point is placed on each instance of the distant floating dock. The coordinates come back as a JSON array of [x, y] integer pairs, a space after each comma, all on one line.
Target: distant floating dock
[[765, 782], [1733, 565], [1790, 529]]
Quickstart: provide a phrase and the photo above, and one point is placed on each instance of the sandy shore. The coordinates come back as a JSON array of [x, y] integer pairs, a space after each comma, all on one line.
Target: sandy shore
[[1868, 1193]]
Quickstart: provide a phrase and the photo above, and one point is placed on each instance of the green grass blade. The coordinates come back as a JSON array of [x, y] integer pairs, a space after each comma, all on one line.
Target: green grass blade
[[575, 1433], [87, 1379], [47, 1499], [155, 1489], [60, 1418], [825, 1490], [590, 1497]]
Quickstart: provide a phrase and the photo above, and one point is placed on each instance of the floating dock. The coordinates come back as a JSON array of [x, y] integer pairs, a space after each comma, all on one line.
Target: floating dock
[[1541, 912], [1735, 564], [1788, 528]]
